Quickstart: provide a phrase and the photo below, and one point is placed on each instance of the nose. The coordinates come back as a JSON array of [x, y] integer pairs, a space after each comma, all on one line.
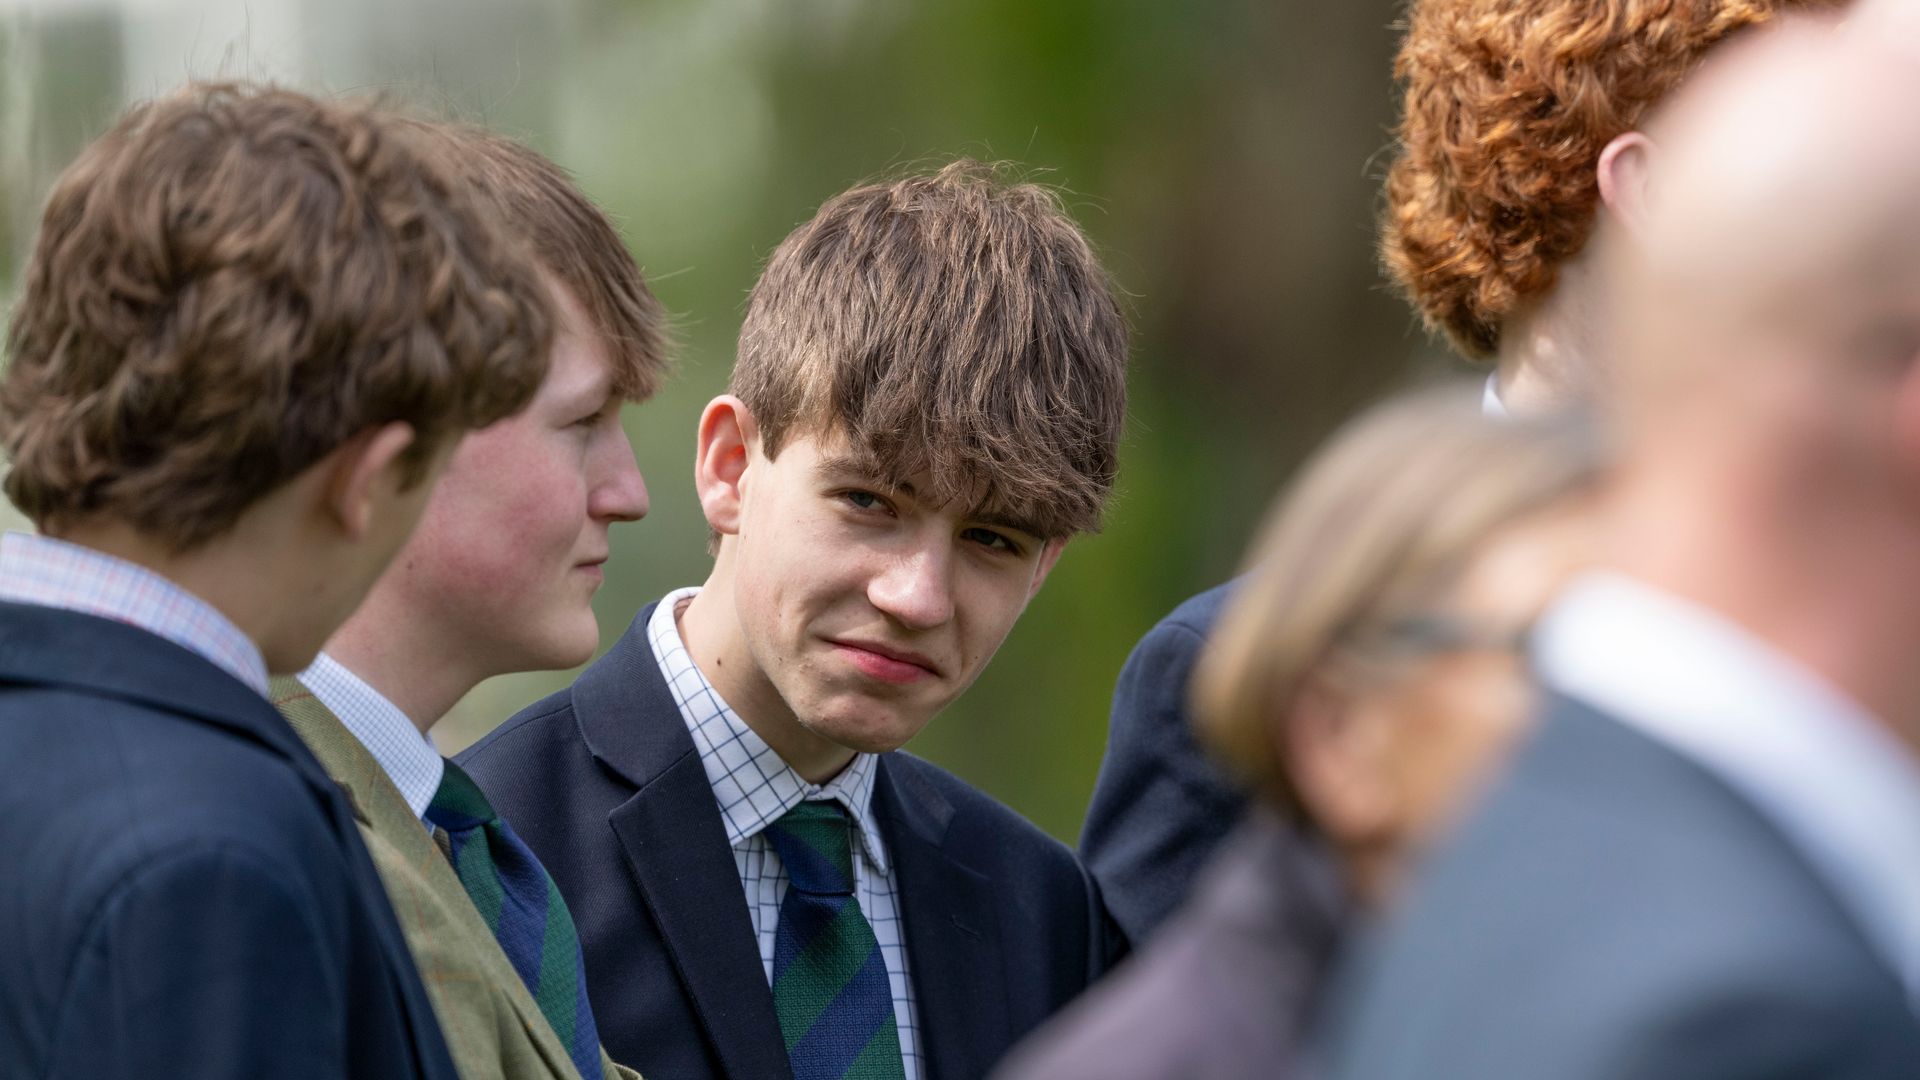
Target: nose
[[619, 492], [916, 589]]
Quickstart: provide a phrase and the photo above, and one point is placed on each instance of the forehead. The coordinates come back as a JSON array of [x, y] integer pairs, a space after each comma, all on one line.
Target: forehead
[[582, 365]]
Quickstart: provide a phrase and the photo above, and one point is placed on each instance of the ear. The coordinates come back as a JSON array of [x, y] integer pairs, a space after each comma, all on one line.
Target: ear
[[363, 473], [1049, 554], [1625, 173], [1337, 753], [724, 446]]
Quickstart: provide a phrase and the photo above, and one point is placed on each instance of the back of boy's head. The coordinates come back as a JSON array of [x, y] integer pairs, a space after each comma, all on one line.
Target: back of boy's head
[[959, 333], [1506, 108], [533, 198], [236, 281]]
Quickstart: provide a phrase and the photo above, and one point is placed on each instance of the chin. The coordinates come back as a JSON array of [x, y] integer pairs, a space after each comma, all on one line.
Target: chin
[[561, 650], [867, 734]]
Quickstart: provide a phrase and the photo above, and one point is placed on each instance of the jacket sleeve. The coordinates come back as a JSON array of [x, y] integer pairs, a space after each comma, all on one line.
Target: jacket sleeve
[[208, 963], [1160, 806]]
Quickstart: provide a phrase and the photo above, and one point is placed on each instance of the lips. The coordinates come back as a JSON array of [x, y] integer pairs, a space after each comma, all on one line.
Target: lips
[[886, 663]]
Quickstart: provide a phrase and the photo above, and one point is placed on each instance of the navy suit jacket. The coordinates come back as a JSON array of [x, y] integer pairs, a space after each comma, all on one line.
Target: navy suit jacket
[[1611, 910], [183, 891], [1161, 806], [603, 782]]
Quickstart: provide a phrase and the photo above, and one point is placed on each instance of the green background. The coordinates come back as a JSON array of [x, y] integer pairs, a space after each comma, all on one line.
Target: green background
[[1224, 156]]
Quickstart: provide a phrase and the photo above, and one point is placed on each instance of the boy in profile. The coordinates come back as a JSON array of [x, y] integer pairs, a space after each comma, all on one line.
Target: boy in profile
[[926, 406], [498, 578], [253, 328]]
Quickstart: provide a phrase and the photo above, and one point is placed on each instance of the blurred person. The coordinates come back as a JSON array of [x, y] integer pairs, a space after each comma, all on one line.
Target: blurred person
[[498, 577], [253, 327], [926, 405], [1705, 861], [1520, 132], [1361, 681]]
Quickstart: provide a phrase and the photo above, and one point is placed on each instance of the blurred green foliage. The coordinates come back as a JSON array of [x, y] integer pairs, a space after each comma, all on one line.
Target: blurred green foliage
[[1219, 152]]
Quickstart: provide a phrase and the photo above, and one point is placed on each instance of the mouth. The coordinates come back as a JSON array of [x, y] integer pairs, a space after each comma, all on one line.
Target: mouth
[[886, 663], [592, 568]]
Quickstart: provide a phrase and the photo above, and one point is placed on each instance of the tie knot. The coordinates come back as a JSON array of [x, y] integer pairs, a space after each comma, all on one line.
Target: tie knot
[[458, 805], [815, 842]]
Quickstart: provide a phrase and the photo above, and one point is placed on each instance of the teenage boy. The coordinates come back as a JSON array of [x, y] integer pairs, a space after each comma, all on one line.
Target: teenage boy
[[1499, 178], [253, 326], [498, 578], [926, 405]]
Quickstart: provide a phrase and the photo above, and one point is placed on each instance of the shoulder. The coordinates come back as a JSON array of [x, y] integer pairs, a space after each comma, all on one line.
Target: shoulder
[[1196, 616], [1177, 639], [546, 721], [982, 830], [1606, 859]]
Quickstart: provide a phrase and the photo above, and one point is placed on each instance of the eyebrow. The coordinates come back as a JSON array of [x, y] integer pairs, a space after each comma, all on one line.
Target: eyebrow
[[844, 467]]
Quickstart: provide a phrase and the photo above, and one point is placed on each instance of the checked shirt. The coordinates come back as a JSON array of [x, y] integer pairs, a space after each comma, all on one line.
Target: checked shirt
[[755, 788]]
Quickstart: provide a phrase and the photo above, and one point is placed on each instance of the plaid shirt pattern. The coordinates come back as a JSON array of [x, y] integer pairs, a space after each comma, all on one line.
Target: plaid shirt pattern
[[754, 787], [406, 756], [53, 573]]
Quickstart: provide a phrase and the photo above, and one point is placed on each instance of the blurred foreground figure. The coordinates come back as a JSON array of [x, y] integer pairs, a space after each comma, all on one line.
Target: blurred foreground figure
[[498, 578], [1502, 171], [1363, 678], [253, 328], [1706, 863]]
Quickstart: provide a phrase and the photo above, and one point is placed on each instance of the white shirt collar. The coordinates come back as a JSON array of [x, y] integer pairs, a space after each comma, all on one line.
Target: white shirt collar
[[54, 573], [1490, 403], [753, 785], [1830, 777], [407, 757]]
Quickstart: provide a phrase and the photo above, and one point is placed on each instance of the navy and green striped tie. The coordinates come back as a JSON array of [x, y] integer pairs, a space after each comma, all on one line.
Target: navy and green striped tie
[[830, 985], [524, 910]]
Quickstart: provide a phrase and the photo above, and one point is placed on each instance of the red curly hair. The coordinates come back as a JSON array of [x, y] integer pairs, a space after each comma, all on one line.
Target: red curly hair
[[1507, 106]]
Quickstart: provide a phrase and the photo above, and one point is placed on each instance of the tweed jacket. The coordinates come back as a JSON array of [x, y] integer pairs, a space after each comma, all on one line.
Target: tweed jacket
[[491, 1023]]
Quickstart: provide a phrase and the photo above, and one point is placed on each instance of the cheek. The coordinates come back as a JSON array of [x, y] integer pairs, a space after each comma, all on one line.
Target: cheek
[[502, 514], [986, 608]]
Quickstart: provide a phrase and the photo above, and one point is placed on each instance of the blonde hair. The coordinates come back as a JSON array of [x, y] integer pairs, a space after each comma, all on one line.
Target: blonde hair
[[1378, 524]]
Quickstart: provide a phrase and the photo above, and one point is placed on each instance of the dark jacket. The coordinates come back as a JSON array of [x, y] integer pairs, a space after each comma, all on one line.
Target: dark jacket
[[183, 892], [602, 780], [1228, 988], [1161, 806], [1611, 911]]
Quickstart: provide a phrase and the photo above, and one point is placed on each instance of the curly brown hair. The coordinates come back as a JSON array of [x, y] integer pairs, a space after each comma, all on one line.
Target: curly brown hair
[[235, 281], [1507, 106], [959, 330]]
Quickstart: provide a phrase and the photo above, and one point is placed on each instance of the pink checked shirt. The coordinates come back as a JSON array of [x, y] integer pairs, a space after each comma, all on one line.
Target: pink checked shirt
[[53, 573]]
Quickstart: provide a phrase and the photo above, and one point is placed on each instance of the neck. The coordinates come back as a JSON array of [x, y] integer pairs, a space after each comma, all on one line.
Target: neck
[[422, 672], [1549, 351], [1845, 605], [244, 574], [710, 628]]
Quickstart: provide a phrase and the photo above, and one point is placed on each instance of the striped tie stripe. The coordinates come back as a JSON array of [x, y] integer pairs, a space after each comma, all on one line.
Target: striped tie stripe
[[830, 986], [523, 908]]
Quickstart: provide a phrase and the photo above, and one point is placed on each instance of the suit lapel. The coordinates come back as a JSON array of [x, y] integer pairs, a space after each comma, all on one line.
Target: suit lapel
[[953, 946], [410, 851], [677, 853]]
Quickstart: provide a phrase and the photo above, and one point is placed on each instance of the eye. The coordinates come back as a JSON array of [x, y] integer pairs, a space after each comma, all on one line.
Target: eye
[[991, 540], [863, 500]]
